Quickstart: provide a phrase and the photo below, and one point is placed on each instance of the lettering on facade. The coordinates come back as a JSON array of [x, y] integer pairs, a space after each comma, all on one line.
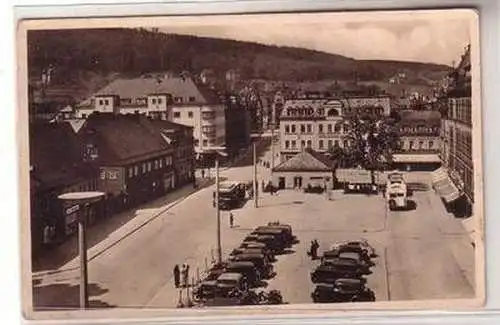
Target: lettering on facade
[[72, 209]]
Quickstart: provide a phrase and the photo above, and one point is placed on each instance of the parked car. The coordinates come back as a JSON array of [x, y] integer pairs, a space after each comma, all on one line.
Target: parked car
[[348, 265], [279, 233], [360, 258], [267, 253], [271, 242], [205, 290], [314, 189], [343, 290], [287, 228], [259, 261], [328, 273], [231, 281], [247, 269], [355, 246]]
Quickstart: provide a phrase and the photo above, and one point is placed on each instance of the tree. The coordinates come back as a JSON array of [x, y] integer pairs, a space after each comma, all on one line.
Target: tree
[[372, 139]]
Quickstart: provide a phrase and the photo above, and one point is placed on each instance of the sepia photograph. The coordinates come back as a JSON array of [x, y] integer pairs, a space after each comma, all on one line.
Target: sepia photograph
[[317, 161]]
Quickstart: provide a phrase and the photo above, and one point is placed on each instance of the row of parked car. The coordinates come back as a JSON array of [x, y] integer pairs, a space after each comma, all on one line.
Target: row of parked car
[[340, 277], [233, 282]]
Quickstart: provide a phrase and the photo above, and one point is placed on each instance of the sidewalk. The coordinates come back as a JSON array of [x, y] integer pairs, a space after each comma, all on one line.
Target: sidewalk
[[108, 233]]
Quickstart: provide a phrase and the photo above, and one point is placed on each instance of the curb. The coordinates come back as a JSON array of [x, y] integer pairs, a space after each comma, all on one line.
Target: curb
[[39, 275]]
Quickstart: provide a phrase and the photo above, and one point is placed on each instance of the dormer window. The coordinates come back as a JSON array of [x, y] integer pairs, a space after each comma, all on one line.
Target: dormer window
[[192, 99], [178, 99], [106, 101], [153, 100], [159, 101]]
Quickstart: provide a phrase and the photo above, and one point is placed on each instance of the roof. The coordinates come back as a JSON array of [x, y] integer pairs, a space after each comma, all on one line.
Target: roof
[[240, 263], [307, 160], [413, 115], [176, 86], [418, 158], [232, 276], [55, 162], [123, 137]]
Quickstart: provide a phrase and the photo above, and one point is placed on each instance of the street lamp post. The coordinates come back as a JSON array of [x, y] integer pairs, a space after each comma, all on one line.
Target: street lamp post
[[82, 199], [255, 184], [218, 151]]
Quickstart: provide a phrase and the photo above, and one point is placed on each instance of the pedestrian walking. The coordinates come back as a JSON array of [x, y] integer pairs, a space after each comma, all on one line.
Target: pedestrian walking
[[203, 173], [315, 250], [187, 275], [231, 219], [184, 275], [177, 275]]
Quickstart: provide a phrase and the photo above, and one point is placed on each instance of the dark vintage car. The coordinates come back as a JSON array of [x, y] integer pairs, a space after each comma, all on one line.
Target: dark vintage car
[[266, 252], [247, 269], [359, 258], [205, 290], [287, 228], [343, 290], [327, 273], [280, 234], [223, 286], [358, 246], [259, 261], [271, 242], [348, 265], [237, 298]]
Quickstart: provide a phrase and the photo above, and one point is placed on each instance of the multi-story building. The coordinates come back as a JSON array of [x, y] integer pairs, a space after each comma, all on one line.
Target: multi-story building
[[456, 134], [57, 167], [319, 123], [419, 136], [177, 99], [138, 159]]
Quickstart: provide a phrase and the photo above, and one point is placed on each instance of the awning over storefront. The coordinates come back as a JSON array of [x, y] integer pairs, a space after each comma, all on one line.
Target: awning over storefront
[[445, 187]]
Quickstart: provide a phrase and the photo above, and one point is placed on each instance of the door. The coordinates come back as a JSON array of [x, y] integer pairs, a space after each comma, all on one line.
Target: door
[[281, 183], [297, 182]]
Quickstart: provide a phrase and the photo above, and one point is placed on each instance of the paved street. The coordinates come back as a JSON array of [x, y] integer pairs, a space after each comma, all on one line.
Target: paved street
[[424, 253]]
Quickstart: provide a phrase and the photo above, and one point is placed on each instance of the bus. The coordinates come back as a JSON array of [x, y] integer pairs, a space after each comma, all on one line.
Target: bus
[[396, 191], [231, 195]]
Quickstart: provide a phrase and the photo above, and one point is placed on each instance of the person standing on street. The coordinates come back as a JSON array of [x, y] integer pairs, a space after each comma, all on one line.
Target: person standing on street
[[231, 219], [177, 275], [203, 173], [187, 275], [183, 274]]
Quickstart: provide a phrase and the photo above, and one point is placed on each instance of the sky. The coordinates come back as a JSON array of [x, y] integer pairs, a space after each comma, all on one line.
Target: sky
[[432, 37]]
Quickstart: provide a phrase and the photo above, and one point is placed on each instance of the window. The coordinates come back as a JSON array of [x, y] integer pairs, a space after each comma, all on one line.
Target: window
[[287, 128], [431, 144], [346, 143], [178, 99], [205, 143], [309, 143], [329, 127], [160, 163], [159, 100], [320, 144], [330, 144], [287, 144], [302, 143], [337, 128], [302, 128], [84, 116], [196, 142], [336, 143], [177, 114], [421, 145], [309, 128], [294, 144], [156, 164], [153, 100], [190, 114], [136, 170], [293, 128], [149, 166], [411, 145], [101, 102], [106, 101], [320, 128], [131, 172], [144, 168], [192, 99]]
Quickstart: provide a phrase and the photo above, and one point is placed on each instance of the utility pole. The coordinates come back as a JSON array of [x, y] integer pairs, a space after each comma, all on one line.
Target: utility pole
[[255, 184], [219, 249], [272, 146]]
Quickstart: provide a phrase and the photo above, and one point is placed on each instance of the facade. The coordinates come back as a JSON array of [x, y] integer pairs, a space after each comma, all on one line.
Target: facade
[[319, 123], [177, 99], [307, 168], [51, 177], [139, 159], [456, 134]]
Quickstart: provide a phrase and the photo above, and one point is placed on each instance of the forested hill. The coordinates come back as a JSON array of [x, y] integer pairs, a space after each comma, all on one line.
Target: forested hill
[[137, 51]]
